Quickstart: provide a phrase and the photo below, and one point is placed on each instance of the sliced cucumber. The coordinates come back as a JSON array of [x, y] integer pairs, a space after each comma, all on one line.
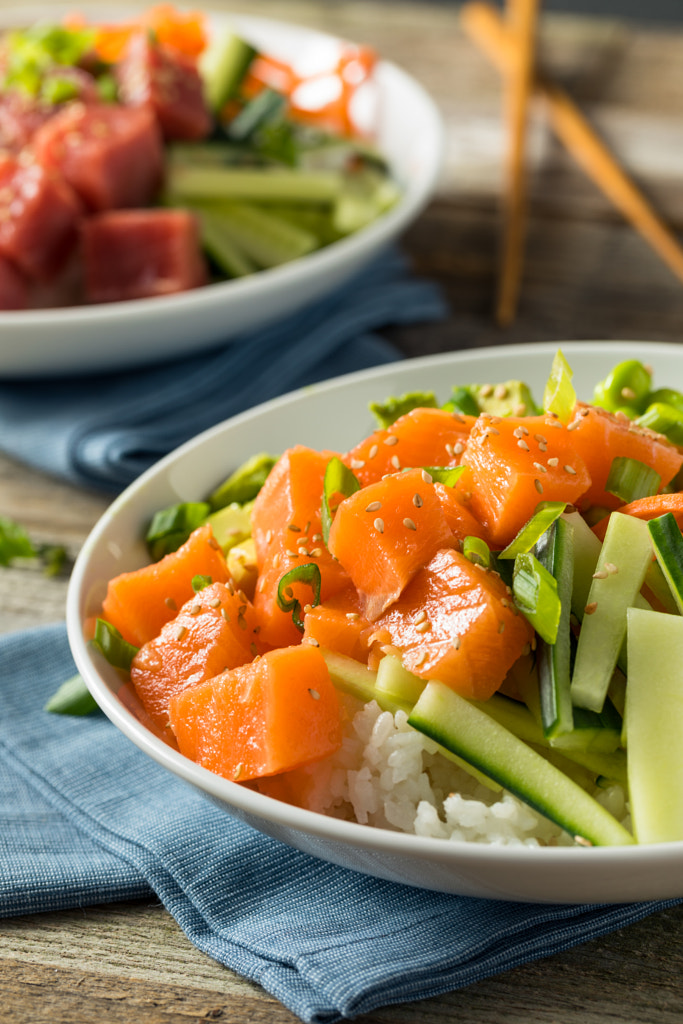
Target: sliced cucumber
[[223, 65], [586, 554], [668, 544], [396, 682], [474, 736], [262, 237], [654, 724], [555, 551], [624, 558], [265, 184]]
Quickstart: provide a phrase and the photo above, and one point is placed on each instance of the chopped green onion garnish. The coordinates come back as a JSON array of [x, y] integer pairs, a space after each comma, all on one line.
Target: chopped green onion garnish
[[115, 649], [72, 698], [559, 396], [393, 408], [630, 479], [477, 550], [545, 515], [171, 527], [668, 544], [446, 475], [308, 574], [535, 592], [201, 583], [244, 484], [339, 479]]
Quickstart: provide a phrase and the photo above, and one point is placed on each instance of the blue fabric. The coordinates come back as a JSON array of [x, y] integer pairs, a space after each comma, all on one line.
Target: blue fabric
[[103, 431], [85, 817]]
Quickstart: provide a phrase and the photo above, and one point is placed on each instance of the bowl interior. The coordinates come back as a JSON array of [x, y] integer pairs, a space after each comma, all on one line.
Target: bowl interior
[[133, 333], [335, 415]]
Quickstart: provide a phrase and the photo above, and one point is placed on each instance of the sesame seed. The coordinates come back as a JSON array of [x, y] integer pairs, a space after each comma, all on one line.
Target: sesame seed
[[600, 575], [316, 538], [294, 528], [391, 440], [520, 409], [421, 658], [539, 486], [500, 391], [554, 461], [569, 469], [379, 525], [501, 626], [312, 641], [426, 477], [170, 603], [540, 438], [628, 393], [357, 463], [423, 627], [180, 632], [302, 542], [269, 536], [374, 506], [492, 430], [213, 543], [574, 425], [373, 451], [449, 449], [215, 602], [409, 524], [292, 554], [421, 616], [238, 771], [457, 417], [523, 445], [395, 462], [459, 448], [456, 643], [526, 650], [486, 390], [610, 568], [195, 609], [542, 447], [417, 500], [276, 559], [317, 552], [541, 468], [520, 432], [582, 841], [591, 608], [352, 616]]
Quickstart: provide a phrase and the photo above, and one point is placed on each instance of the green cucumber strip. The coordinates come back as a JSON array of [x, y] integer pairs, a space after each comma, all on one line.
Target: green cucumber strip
[[668, 544], [263, 238], [473, 735], [624, 557], [535, 593], [365, 196], [555, 552], [629, 479], [545, 515], [397, 683], [559, 396], [219, 245], [586, 554], [223, 65], [657, 583], [244, 483], [654, 725], [264, 184], [211, 154], [72, 698], [339, 479], [264, 107]]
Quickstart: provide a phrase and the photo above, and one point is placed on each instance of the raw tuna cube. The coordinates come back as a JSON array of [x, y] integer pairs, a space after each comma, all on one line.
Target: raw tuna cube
[[156, 75], [20, 117], [133, 254], [112, 156], [39, 218], [13, 286]]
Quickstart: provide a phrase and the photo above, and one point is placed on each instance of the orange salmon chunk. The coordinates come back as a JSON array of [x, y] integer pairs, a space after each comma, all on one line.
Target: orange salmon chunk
[[339, 626], [423, 437], [517, 462], [385, 532], [139, 603], [215, 630], [276, 713], [456, 622]]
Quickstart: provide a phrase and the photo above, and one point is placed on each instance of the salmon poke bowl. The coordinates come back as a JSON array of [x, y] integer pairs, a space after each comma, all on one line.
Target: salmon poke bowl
[[171, 179], [422, 621]]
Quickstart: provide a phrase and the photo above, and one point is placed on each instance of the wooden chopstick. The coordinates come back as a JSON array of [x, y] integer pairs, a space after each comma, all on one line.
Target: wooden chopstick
[[522, 17], [485, 27]]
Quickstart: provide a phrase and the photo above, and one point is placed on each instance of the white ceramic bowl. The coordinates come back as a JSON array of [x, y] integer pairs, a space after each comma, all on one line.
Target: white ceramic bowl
[[127, 334], [334, 415]]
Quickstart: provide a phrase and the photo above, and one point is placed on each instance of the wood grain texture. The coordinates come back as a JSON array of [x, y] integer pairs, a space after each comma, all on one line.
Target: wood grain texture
[[587, 275]]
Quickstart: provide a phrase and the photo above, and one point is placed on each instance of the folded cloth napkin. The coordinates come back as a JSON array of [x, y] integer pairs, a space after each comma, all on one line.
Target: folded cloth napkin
[[86, 817], [103, 431]]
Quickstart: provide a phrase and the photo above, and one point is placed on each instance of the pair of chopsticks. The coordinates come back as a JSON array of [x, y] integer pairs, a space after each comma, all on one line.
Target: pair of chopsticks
[[510, 45]]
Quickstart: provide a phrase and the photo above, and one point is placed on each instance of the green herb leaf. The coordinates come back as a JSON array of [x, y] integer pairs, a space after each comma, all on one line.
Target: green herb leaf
[[115, 649], [630, 479], [393, 408], [308, 574], [72, 698], [338, 480]]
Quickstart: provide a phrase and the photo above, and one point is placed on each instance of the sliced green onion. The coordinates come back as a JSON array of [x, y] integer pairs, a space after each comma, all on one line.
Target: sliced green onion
[[559, 396], [171, 527], [339, 479], [201, 583], [244, 484], [308, 574], [389, 411], [630, 479], [115, 649], [668, 544], [535, 593], [72, 698], [477, 550], [555, 552], [446, 475], [544, 516]]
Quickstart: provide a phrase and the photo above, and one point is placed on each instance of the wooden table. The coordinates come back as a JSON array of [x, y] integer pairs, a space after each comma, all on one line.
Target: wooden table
[[588, 275]]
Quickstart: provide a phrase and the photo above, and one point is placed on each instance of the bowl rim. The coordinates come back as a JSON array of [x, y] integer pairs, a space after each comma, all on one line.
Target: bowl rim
[[276, 812]]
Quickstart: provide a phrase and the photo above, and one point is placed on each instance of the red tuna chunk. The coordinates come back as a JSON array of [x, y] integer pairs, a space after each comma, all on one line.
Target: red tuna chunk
[[134, 254], [20, 117], [112, 156], [13, 286], [153, 74], [40, 218]]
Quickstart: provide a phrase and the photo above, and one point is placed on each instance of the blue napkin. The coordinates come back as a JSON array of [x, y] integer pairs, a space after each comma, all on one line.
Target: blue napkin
[[86, 817], [103, 431]]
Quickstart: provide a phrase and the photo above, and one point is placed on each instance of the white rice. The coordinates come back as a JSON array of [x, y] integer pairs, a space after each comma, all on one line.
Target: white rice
[[390, 776]]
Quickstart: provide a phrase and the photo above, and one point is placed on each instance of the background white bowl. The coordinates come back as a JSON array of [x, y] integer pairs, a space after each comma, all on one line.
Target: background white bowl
[[334, 415], [126, 334]]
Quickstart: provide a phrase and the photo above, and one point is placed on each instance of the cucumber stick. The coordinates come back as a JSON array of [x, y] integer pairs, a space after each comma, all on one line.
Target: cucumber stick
[[654, 725], [624, 558], [472, 735], [265, 184]]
